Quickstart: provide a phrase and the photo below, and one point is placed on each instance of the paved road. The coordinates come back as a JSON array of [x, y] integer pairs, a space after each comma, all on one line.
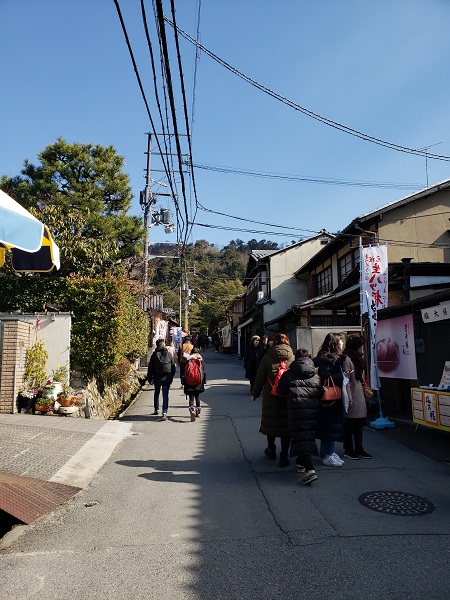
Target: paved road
[[194, 510]]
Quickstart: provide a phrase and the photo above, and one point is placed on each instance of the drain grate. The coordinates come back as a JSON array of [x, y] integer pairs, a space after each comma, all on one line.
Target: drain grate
[[397, 503]]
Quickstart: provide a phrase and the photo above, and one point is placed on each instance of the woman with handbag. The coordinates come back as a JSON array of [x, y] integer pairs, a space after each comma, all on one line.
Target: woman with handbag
[[355, 417], [330, 422]]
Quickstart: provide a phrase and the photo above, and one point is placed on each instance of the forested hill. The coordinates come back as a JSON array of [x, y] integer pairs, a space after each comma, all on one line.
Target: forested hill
[[213, 274]]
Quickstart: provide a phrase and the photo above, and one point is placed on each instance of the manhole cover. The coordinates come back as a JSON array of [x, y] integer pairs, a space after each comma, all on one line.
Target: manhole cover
[[397, 503]]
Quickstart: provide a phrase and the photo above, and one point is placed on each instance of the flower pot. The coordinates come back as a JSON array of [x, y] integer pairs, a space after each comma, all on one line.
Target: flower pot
[[25, 403], [44, 408], [65, 400], [49, 392]]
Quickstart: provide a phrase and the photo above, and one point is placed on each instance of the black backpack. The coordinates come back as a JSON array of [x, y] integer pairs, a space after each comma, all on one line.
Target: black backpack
[[163, 362]]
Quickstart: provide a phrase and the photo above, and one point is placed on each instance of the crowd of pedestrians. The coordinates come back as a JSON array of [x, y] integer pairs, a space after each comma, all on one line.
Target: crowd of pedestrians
[[305, 399]]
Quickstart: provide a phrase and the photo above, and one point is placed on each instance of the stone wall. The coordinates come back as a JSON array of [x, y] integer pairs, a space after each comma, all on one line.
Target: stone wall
[[105, 404], [16, 337]]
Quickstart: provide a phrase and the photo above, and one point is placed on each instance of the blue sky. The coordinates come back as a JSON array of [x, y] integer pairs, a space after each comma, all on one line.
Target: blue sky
[[378, 67]]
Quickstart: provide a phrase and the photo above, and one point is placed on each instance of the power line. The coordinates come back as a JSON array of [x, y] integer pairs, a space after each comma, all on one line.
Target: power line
[[306, 179], [305, 111], [186, 117], [249, 230], [116, 2], [165, 54]]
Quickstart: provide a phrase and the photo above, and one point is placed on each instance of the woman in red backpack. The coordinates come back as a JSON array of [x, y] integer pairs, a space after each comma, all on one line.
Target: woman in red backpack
[[194, 381]]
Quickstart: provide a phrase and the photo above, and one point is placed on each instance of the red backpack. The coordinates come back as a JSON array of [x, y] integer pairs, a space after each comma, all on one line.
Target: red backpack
[[281, 369], [193, 372]]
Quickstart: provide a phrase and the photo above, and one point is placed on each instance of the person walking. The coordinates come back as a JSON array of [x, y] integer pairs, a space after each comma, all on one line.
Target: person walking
[[355, 418], [274, 417], [185, 348], [194, 382], [330, 421], [161, 369], [302, 385], [251, 360]]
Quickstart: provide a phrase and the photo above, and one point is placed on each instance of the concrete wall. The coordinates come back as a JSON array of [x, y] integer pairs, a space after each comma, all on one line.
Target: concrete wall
[[19, 333], [425, 221], [312, 338]]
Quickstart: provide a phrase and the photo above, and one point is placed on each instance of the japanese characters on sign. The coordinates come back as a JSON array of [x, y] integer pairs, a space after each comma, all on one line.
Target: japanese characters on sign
[[374, 294], [374, 276], [431, 408], [436, 313], [161, 330]]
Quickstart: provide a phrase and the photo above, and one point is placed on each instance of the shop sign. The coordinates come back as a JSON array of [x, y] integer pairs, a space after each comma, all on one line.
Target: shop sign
[[436, 313]]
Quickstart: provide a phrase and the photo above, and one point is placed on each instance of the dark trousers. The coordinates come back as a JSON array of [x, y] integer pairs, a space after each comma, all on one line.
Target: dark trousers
[[306, 461], [194, 398], [353, 435], [285, 443]]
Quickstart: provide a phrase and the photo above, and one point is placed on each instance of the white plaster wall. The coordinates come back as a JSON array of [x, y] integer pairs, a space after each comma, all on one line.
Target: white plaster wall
[[54, 330], [285, 288]]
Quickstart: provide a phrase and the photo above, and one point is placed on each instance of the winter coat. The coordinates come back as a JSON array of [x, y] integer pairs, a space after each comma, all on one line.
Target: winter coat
[[262, 350], [195, 391], [152, 376], [274, 418], [302, 383], [358, 408], [251, 362], [330, 421]]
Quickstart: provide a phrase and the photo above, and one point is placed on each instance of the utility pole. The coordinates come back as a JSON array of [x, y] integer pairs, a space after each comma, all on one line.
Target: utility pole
[[147, 210], [186, 305]]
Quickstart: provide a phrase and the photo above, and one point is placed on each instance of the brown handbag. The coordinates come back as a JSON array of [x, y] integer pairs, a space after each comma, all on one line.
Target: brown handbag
[[332, 391]]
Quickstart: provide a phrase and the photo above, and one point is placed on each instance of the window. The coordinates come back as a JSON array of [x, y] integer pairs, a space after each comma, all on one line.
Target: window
[[345, 266], [347, 263], [324, 282]]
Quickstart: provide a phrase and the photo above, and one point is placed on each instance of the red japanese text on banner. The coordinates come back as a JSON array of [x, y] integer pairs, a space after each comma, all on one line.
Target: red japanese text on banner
[[374, 276]]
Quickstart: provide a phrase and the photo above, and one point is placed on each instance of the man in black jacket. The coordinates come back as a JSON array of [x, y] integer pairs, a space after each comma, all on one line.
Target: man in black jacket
[[161, 370]]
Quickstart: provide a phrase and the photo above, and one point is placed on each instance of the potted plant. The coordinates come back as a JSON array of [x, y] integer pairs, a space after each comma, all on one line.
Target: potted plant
[[26, 399], [35, 375], [68, 397], [60, 376], [44, 404]]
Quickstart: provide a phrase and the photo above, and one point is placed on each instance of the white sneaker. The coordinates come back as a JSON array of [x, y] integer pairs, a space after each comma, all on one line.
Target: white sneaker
[[337, 457], [330, 461]]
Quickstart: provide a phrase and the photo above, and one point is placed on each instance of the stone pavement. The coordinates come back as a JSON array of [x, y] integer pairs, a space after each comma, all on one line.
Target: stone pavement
[[44, 460]]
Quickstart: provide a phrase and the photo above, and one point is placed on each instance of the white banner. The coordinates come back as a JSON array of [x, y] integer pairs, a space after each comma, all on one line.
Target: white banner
[[161, 330], [373, 319], [374, 276], [226, 336]]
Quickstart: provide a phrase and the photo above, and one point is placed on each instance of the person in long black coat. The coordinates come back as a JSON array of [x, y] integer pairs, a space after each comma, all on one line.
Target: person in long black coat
[[303, 386], [330, 423], [251, 360], [274, 417]]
